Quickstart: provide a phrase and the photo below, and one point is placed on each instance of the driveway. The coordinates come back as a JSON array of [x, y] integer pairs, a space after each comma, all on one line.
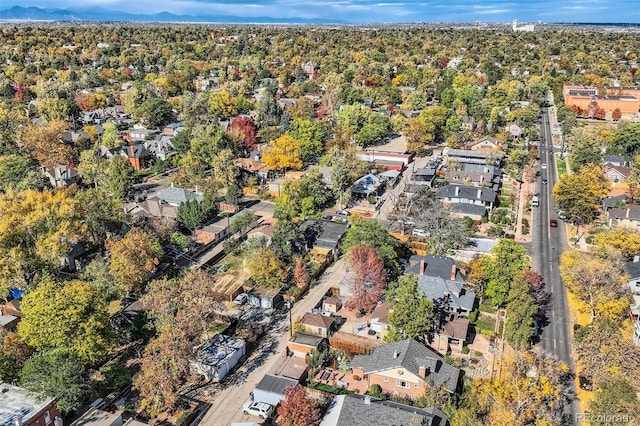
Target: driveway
[[227, 407]]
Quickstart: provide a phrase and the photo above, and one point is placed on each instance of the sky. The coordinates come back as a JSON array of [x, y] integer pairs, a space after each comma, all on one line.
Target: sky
[[357, 11]]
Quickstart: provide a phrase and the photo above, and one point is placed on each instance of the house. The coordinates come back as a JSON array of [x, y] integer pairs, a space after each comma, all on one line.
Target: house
[[271, 388], [263, 231], [617, 174], [217, 357], [367, 185], [254, 167], [12, 307], [357, 410], [472, 156], [160, 148], [440, 279], [266, 298], [61, 175], [385, 160], [452, 334], [474, 175], [625, 217], [316, 324], [137, 154], [515, 130], [379, 321], [71, 137], [78, 257], [18, 406], [173, 129], [405, 368], [140, 133], [613, 202], [471, 211], [95, 417], [213, 232], [152, 207], [331, 234], [616, 160], [456, 194], [175, 196], [331, 304], [486, 144], [301, 344], [633, 271], [424, 176]]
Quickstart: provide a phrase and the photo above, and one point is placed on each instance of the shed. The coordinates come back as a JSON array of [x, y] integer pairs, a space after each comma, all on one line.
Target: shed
[[266, 298], [302, 344], [217, 357], [331, 304], [271, 388]]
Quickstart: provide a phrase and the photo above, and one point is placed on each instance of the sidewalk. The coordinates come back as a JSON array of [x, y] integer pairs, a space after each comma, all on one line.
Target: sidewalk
[[525, 188]]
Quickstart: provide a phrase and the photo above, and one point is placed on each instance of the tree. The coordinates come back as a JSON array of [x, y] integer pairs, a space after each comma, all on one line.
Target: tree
[[221, 104], [283, 153], [627, 241], [57, 373], [133, 258], [521, 310], [96, 273], [234, 195], [616, 114], [224, 167], [103, 214], [36, 230], [297, 409], [92, 167], [367, 279], [597, 281], [584, 152], [300, 274], [83, 330], [246, 128], [54, 109], [267, 270], [410, 312], [110, 135], [604, 355], [18, 173], [243, 222], [156, 111], [44, 144], [508, 259], [615, 399], [579, 194], [365, 231], [311, 136], [119, 175], [532, 389], [626, 140], [268, 112], [192, 215]]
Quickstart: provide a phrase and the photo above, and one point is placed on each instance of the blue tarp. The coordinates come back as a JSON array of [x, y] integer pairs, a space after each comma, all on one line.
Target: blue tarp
[[15, 293]]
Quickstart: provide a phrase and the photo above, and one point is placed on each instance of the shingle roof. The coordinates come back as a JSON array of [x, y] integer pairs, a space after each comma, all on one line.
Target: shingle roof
[[435, 266], [316, 320], [630, 212], [467, 193], [411, 355], [175, 196], [436, 287], [275, 384], [468, 209], [633, 269], [352, 410]]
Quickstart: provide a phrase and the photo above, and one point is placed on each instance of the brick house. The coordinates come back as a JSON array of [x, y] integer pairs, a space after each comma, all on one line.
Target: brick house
[[405, 368], [19, 406]]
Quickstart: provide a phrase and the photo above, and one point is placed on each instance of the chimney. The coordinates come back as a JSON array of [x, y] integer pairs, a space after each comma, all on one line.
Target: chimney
[[445, 296], [131, 153], [367, 400], [17, 421], [422, 267], [58, 421], [636, 258], [479, 193], [196, 191], [628, 211], [457, 190], [396, 354], [423, 371], [454, 270]]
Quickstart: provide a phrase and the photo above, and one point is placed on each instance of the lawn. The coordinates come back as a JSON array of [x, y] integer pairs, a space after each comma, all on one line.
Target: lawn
[[561, 165], [485, 325]]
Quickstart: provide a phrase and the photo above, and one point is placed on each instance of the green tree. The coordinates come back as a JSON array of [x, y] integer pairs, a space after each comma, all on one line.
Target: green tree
[[224, 167], [579, 194], [311, 136], [626, 140], [507, 260], [57, 373], [612, 399], [192, 215], [268, 111], [267, 270], [410, 312], [156, 111], [97, 274], [119, 174], [110, 135], [18, 173], [133, 258], [234, 195], [521, 310], [92, 167], [83, 330]]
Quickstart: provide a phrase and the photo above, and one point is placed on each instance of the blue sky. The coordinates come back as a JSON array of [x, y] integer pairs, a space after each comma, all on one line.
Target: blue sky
[[627, 11]]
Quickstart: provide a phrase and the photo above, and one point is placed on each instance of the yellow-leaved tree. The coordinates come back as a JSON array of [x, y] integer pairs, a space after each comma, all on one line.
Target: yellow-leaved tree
[[70, 315], [36, 230], [133, 258], [266, 269], [625, 240], [44, 143], [283, 153]]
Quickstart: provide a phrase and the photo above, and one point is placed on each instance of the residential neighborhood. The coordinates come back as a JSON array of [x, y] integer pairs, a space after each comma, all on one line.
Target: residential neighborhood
[[305, 225]]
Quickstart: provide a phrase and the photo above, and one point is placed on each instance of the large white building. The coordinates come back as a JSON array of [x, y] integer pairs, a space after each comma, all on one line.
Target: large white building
[[526, 27]]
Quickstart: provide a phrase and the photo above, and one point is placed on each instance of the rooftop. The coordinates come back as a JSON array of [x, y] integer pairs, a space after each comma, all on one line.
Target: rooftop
[[306, 339], [316, 320], [18, 403], [275, 384], [218, 349], [175, 196], [95, 417]]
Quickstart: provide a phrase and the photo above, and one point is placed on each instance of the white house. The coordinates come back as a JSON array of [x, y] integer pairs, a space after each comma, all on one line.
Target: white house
[[217, 357]]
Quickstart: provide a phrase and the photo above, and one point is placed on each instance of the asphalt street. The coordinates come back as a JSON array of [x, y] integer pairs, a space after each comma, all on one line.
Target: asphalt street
[[546, 249]]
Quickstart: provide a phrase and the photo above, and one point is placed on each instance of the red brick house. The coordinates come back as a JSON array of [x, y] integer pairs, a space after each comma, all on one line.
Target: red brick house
[[19, 406], [405, 368]]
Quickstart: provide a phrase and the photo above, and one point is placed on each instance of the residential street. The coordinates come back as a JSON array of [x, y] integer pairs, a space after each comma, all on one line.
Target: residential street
[[548, 244], [227, 407]]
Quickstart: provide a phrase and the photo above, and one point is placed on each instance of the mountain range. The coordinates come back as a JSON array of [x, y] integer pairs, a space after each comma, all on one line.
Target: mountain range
[[19, 13]]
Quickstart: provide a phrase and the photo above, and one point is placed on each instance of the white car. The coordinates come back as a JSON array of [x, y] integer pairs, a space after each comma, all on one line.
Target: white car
[[419, 233], [258, 409], [240, 299], [544, 165]]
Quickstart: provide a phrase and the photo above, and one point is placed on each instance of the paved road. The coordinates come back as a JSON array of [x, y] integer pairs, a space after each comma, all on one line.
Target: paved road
[[546, 249], [227, 407]]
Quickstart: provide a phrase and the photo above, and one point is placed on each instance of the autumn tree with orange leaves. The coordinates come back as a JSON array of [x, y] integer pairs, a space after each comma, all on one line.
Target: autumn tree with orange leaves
[[297, 409], [367, 279]]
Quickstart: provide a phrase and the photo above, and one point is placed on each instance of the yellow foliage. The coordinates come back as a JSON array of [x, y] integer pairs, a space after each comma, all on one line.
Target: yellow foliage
[[283, 153], [132, 258], [625, 240]]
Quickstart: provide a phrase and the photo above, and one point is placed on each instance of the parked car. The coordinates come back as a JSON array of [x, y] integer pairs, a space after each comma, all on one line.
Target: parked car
[[561, 215], [223, 268], [240, 299], [585, 383], [419, 233], [553, 223], [258, 409], [544, 181], [343, 213], [544, 166]]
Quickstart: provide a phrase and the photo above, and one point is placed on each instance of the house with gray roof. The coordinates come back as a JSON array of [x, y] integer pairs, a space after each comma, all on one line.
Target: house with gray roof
[[175, 196], [19, 406], [625, 217], [475, 175], [217, 357], [461, 194], [405, 369], [470, 156], [357, 410], [271, 388]]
